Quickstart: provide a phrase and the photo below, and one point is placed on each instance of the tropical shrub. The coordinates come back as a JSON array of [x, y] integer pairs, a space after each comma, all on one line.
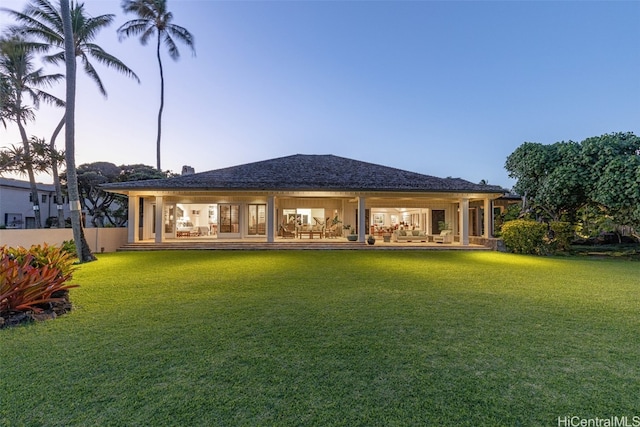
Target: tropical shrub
[[525, 236], [31, 279], [562, 234], [511, 212], [69, 246]]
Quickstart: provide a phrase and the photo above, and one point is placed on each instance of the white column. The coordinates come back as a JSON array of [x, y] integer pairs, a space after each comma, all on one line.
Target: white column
[[271, 219], [148, 218], [361, 218], [488, 218], [159, 219], [464, 221], [133, 219]]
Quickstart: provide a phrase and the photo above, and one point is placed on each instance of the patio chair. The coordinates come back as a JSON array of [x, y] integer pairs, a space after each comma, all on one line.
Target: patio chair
[[444, 237], [284, 232], [331, 231]]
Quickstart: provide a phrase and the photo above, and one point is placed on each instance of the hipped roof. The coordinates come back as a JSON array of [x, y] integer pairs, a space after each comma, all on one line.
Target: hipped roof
[[302, 172]]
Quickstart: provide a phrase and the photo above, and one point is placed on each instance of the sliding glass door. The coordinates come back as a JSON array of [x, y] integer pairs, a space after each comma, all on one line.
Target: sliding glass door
[[257, 220], [229, 218]]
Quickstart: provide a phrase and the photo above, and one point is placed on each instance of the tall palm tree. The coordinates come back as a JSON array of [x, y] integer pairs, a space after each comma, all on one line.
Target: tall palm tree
[[57, 159], [5, 99], [22, 79], [82, 249], [154, 18]]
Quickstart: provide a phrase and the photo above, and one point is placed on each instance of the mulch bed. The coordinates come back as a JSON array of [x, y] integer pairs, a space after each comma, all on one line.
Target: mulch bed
[[47, 311]]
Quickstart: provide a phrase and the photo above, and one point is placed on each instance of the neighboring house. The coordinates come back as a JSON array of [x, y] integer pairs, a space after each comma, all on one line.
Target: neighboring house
[[16, 207], [252, 201]]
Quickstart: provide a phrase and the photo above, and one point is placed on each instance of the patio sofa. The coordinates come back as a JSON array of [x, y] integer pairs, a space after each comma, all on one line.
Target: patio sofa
[[410, 236]]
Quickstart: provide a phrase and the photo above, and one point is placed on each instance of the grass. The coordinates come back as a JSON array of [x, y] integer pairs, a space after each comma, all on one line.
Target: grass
[[330, 338]]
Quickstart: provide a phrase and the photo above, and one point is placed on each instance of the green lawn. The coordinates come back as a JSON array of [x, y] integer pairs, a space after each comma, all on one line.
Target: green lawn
[[330, 338]]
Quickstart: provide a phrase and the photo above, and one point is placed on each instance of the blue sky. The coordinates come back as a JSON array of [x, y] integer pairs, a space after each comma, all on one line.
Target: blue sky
[[440, 88]]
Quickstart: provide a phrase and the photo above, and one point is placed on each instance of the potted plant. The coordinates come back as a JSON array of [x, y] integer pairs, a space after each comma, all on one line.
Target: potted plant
[[386, 236], [371, 240], [352, 237], [443, 225]]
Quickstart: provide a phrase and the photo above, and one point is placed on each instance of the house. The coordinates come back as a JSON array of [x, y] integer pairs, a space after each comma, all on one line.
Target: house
[[252, 201], [16, 207]]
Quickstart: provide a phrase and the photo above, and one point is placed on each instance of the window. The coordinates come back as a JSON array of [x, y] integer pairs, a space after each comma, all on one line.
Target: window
[[229, 218], [13, 220], [44, 198]]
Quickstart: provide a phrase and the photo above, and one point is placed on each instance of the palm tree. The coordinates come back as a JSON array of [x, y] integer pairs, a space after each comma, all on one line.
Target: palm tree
[[43, 21], [15, 160], [82, 249], [57, 159], [5, 99], [20, 79], [154, 18]]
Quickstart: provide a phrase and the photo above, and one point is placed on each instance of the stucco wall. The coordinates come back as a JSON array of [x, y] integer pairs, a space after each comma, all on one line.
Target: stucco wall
[[98, 238]]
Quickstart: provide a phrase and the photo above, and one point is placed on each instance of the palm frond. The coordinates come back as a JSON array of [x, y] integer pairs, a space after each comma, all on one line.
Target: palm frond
[[93, 75], [174, 53], [51, 99], [182, 34], [134, 28], [110, 61]]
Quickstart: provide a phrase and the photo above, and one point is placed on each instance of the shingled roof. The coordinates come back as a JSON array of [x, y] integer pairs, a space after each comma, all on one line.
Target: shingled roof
[[302, 172]]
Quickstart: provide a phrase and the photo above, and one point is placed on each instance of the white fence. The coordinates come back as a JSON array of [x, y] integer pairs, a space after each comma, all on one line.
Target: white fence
[[99, 239]]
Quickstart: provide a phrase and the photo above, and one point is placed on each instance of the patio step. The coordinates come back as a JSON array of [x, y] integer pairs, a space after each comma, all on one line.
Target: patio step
[[289, 245]]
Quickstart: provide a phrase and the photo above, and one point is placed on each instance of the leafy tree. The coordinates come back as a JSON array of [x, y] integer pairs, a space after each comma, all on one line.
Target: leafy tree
[[614, 162], [21, 79], [93, 199], [109, 208], [154, 18], [566, 180], [530, 165], [563, 189]]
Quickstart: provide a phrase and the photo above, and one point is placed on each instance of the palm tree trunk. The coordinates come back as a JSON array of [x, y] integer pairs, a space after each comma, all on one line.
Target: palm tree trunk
[[32, 178], [56, 176], [83, 251], [161, 104]]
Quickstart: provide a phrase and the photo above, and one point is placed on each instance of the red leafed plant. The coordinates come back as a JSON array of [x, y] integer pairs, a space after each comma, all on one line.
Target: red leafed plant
[[30, 278]]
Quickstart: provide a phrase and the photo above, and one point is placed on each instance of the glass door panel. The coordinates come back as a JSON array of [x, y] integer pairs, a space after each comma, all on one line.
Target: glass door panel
[[229, 218], [257, 220], [169, 219]]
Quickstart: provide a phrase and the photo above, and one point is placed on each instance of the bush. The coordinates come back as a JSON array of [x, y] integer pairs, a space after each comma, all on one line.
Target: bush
[[561, 236], [31, 279], [69, 246], [511, 213], [524, 236]]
